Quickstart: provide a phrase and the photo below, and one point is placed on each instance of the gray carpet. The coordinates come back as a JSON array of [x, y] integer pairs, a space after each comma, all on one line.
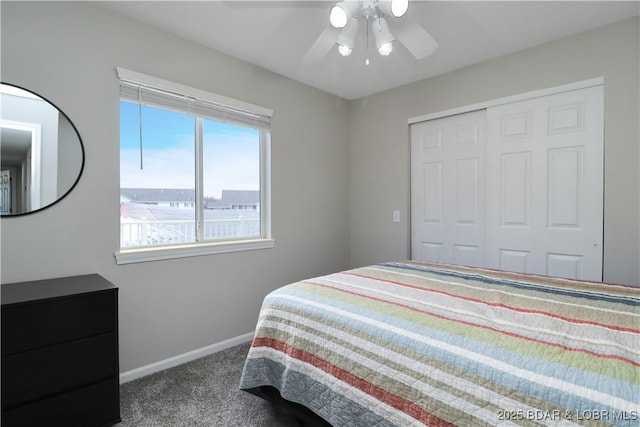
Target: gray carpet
[[199, 393]]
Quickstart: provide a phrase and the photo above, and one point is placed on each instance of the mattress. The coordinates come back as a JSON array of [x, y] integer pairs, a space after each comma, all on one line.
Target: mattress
[[409, 343]]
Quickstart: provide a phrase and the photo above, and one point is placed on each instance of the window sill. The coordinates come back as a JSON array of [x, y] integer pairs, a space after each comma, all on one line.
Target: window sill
[[130, 256]]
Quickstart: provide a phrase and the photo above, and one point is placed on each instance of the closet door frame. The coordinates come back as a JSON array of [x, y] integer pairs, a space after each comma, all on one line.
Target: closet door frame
[[597, 82]]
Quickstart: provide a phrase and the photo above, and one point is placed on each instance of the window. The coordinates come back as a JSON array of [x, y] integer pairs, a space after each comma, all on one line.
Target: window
[[194, 171]]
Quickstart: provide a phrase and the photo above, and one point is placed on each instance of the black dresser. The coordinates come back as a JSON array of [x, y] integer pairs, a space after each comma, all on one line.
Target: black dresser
[[60, 353]]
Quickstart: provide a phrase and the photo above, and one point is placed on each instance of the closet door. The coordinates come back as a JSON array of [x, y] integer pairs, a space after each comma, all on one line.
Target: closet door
[[544, 185], [447, 185]]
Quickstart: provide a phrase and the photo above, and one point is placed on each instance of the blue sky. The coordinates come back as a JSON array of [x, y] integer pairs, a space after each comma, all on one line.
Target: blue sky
[[231, 152]]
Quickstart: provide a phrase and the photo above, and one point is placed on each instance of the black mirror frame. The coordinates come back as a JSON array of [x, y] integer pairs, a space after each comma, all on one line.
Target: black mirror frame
[[82, 152]]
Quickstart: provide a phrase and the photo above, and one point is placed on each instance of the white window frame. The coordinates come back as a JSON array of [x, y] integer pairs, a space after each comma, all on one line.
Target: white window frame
[[222, 103]]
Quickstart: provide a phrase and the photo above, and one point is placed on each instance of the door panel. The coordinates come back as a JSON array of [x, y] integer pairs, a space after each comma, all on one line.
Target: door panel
[[545, 186], [5, 192], [515, 186], [447, 189]]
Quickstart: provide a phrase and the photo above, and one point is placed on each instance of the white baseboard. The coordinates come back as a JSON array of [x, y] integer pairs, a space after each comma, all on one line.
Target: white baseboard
[[183, 358]]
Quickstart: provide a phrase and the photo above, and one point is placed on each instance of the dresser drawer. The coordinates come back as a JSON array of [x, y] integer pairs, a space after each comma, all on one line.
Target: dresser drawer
[[36, 324], [46, 371], [92, 406]]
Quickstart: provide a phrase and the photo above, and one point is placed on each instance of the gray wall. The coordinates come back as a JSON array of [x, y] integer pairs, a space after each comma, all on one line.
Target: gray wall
[[380, 138], [68, 53]]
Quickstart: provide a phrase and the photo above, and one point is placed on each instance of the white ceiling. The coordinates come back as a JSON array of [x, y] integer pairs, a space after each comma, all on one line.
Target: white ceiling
[[276, 35]]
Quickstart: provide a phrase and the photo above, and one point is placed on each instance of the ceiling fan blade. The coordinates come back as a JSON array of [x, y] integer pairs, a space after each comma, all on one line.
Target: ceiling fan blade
[[416, 40], [252, 4], [323, 44]]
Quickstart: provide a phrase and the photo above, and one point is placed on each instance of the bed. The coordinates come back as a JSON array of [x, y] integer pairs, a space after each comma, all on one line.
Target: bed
[[412, 343]]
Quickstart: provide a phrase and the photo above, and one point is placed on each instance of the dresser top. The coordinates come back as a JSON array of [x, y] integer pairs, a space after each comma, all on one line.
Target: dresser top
[[15, 293]]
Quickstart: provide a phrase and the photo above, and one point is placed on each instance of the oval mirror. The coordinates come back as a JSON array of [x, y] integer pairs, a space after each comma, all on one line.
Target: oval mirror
[[41, 153]]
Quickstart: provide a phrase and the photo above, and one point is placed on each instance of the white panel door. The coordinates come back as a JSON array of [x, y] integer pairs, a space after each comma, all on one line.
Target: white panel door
[[545, 185], [447, 185], [5, 192]]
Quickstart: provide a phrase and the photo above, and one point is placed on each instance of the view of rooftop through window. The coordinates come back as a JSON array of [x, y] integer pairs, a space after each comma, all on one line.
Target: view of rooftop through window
[[160, 180]]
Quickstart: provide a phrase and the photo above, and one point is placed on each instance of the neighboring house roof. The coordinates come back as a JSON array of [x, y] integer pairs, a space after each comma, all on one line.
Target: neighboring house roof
[[235, 198], [240, 197], [155, 195], [152, 195]]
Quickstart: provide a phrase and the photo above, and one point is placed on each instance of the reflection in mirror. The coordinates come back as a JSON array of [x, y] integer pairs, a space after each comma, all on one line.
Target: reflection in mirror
[[41, 153]]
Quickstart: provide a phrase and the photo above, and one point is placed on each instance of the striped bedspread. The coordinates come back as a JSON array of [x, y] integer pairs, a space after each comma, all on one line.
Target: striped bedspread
[[407, 343]]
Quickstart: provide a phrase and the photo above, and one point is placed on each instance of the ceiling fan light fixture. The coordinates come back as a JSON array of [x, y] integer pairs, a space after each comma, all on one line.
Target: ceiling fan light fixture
[[385, 49], [346, 14], [344, 50], [395, 8], [399, 8], [347, 40], [341, 13], [384, 38]]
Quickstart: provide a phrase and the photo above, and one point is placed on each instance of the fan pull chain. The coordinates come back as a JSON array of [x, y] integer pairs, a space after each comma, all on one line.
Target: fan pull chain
[[366, 61]]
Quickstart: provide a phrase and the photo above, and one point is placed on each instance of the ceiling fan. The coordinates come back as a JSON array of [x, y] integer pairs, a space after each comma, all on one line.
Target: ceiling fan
[[347, 17]]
